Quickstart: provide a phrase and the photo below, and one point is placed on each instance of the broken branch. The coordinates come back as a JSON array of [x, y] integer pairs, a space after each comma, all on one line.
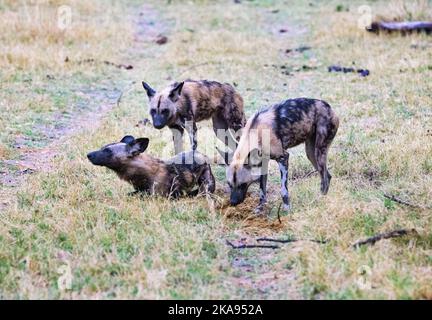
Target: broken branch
[[386, 235], [249, 246], [122, 93], [289, 240], [393, 198], [278, 213], [403, 27], [306, 175], [109, 63]]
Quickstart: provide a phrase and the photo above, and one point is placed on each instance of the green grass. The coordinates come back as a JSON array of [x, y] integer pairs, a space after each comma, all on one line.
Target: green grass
[[71, 213]]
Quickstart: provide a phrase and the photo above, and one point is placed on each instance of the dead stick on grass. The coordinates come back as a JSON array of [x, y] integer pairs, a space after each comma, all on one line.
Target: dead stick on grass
[[108, 63], [289, 240], [278, 213], [250, 246], [122, 93], [386, 235], [403, 26], [393, 198], [307, 175]]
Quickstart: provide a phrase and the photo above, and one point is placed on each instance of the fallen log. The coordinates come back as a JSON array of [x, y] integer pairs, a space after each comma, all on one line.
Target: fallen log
[[402, 27], [386, 235]]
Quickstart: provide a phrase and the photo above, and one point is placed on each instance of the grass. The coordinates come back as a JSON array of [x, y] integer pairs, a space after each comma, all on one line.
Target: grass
[[71, 213]]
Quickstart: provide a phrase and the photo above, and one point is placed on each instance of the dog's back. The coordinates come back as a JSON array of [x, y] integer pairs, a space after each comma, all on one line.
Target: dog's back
[[191, 168], [205, 98]]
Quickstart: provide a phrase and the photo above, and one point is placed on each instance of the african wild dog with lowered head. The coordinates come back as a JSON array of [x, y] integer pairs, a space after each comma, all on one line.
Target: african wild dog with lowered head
[[181, 105], [268, 135], [171, 178]]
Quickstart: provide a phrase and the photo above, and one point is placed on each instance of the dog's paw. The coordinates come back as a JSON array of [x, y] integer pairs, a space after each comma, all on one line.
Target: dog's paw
[[260, 210], [286, 207]]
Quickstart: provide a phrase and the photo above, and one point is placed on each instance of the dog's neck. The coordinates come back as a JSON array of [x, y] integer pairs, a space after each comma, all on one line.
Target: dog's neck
[[142, 164]]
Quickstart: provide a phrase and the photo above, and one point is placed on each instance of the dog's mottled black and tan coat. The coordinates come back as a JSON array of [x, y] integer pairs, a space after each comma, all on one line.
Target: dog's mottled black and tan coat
[[181, 105], [175, 177], [287, 125]]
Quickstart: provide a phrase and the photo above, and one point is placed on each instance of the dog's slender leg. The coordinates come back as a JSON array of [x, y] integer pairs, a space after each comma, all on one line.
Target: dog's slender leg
[[283, 163], [263, 194], [321, 149], [192, 129], [325, 133], [310, 151], [177, 132], [206, 181]]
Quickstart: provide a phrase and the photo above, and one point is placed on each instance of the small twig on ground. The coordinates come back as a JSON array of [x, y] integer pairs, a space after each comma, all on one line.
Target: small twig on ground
[[276, 240], [299, 49], [362, 72], [109, 63], [306, 175], [386, 235], [122, 93], [393, 198], [290, 240], [403, 27], [250, 246], [278, 213]]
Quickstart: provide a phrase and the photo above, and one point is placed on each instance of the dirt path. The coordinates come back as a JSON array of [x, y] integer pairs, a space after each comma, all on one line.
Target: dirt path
[[99, 100]]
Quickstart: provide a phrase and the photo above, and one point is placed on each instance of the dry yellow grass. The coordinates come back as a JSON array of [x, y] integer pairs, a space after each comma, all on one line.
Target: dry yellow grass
[[126, 247], [398, 10], [38, 35]]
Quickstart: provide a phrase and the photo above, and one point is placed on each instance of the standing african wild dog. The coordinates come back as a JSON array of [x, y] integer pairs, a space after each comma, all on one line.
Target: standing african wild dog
[[284, 125], [172, 178], [193, 101]]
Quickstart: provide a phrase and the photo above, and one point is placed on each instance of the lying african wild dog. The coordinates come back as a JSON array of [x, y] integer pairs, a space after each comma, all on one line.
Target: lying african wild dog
[[193, 101], [171, 178], [284, 125]]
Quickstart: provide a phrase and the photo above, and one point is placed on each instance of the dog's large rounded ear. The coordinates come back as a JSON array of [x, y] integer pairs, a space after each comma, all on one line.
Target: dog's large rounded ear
[[128, 140], [149, 90], [176, 92], [139, 146]]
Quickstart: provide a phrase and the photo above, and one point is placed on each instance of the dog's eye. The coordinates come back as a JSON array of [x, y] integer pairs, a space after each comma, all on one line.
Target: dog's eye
[[165, 112], [152, 111]]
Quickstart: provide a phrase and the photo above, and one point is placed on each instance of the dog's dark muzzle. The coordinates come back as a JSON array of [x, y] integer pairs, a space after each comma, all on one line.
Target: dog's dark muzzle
[[237, 197], [95, 158], [159, 121]]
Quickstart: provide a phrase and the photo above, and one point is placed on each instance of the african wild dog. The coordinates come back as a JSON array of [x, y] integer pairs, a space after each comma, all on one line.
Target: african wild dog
[[171, 178], [268, 135], [181, 105]]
